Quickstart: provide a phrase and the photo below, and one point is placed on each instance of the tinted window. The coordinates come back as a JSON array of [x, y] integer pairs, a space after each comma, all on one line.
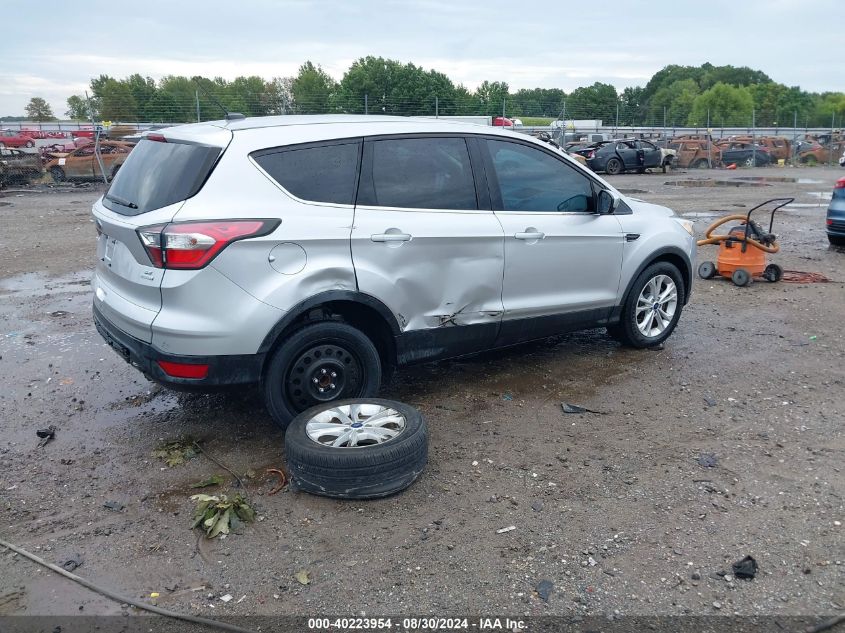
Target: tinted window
[[532, 180], [421, 173], [325, 173], [157, 174]]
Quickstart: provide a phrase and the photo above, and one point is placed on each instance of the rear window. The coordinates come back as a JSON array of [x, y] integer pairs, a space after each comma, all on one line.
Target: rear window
[[157, 174], [319, 173]]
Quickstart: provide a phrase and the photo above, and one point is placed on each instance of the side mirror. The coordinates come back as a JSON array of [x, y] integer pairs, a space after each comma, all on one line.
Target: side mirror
[[606, 202]]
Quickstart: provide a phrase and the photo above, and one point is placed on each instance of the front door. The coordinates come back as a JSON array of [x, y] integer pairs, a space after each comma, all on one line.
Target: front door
[[424, 247], [562, 260]]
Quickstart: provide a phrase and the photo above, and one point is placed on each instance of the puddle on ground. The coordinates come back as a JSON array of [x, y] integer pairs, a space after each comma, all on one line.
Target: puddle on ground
[[5, 204], [40, 285], [709, 182], [799, 181]]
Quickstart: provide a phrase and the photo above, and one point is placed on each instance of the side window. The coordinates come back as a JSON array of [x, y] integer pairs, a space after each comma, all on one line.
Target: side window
[[322, 173], [421, 173], [532, 180], [88, 150]]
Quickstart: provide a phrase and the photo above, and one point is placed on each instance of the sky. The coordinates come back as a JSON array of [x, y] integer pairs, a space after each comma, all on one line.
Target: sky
[[561, 44]]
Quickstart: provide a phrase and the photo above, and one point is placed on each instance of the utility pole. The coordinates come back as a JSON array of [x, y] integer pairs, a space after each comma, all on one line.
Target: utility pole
[[616, 133], [197, 95], [436, 108], [709, 142], [366, 104]]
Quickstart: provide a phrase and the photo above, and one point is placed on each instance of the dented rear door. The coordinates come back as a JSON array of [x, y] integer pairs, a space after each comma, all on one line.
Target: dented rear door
[[422, 245]]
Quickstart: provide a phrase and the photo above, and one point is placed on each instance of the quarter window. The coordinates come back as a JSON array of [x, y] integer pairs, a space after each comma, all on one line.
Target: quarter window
[[421, 173], [324, 173], [532, 180]]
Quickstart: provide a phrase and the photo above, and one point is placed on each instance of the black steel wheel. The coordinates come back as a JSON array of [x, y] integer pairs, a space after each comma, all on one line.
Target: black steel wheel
[[741, 277], [707, 270], [613, 167], [317, 364], [356, 449]]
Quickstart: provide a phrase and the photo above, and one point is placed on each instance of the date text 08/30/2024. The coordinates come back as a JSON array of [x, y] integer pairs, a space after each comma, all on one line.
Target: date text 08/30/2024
[[416, 624]]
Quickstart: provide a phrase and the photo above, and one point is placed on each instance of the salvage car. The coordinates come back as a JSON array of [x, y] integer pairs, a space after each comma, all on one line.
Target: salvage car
[[614, 157], [836, 215], [19, 166], [10, 138], [311, 255], [694, 153], [82, 164], [744, 154], [777, 147]]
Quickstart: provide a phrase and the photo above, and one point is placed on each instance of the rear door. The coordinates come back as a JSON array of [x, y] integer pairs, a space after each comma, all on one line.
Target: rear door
[[651, 154], [562, 260], [149, 189], [79, 163], [423, 245]]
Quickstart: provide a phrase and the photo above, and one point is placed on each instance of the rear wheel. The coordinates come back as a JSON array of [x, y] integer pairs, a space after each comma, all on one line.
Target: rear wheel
[[741, 277], [317, 364], [652, 308], [701, 163], [30, 143], [707, 270], [58, 174], [613, 167]]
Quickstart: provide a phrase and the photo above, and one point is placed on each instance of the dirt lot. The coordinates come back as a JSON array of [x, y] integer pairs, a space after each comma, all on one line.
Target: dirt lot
[[614, 510]]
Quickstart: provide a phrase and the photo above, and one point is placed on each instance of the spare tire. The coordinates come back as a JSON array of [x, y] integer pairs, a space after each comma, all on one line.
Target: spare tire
[[362, 448]]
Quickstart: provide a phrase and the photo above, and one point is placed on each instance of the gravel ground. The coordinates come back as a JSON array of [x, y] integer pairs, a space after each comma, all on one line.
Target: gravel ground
[[613, 509]]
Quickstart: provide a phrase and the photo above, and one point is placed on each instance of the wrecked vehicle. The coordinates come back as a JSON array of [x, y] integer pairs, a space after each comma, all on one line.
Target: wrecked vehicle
[[836, 215], [817, 154], [695, 154], [464, 239], [744, 154], [82, 164], [778, 148], [19, 166], [615, 157]]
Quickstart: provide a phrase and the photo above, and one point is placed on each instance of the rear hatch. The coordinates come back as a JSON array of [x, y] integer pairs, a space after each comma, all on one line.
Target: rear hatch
[[160, 173]]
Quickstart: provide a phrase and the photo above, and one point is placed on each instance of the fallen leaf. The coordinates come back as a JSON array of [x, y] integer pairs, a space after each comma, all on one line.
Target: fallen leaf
[[302, 577]]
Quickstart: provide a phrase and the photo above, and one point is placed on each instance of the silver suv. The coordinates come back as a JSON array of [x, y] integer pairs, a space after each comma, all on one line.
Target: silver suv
[[312, 255]]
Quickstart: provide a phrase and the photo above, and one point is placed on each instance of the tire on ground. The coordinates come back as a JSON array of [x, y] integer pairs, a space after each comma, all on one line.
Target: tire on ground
[[362, 472]]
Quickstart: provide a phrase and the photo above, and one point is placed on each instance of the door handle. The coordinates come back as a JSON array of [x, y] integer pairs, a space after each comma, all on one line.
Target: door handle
[[391, 237], [530, 235]]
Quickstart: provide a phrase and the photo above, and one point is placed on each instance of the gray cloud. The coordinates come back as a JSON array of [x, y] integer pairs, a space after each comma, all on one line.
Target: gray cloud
[[563, 45]]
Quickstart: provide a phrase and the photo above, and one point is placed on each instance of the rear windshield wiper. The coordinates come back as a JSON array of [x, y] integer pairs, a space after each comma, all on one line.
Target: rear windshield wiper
[[121, 201]]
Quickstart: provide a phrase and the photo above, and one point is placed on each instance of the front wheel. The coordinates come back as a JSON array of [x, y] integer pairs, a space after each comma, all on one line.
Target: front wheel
[[652, 307], [30, 144], [613, 167], [317, 364]]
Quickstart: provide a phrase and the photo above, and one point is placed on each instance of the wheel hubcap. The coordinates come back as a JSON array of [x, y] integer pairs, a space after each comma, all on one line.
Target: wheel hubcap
[[321, 374], [656, 306], [355, 425]]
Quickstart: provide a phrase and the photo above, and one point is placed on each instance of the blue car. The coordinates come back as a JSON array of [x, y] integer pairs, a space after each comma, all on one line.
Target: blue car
[[836, 215]]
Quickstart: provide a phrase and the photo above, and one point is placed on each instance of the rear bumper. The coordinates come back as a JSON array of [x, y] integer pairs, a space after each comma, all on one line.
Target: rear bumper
[[223, 371]]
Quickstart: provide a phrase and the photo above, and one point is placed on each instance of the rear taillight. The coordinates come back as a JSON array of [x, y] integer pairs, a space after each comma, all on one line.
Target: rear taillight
[[156, 137], [192, 245], [840, 184]]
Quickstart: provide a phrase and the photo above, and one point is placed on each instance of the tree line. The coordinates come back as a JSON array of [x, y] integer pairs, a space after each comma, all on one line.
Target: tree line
[[675, 96]]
